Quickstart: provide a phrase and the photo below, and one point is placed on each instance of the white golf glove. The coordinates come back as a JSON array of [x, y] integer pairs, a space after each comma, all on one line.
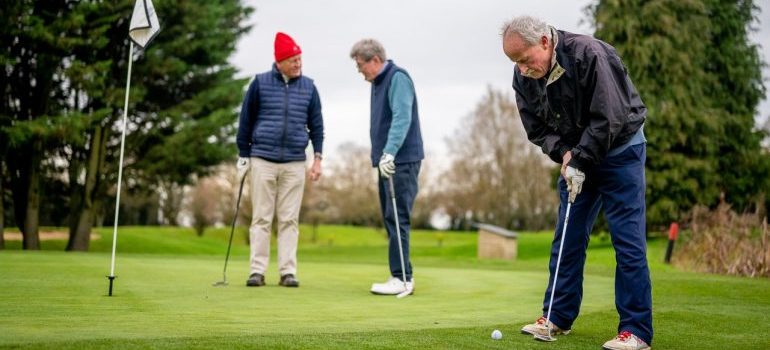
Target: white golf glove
[[575, 179], [387, 165], [242, 166]]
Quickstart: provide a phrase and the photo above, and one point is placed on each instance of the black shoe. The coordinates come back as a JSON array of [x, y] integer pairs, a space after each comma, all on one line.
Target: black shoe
[[288, 280], [255, 280]]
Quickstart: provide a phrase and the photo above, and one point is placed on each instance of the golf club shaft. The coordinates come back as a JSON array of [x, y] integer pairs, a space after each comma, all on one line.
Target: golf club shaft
[[398, 229], [232, 228], [558, 262]]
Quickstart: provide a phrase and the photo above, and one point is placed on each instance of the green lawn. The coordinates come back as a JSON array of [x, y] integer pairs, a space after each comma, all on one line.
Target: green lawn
[[164, 298]]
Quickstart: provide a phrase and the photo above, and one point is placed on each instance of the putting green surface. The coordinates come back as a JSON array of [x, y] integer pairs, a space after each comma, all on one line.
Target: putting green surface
[[164, 298]]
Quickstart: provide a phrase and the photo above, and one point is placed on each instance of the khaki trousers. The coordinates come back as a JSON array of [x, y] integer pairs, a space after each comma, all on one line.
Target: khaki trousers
[[276, 191]]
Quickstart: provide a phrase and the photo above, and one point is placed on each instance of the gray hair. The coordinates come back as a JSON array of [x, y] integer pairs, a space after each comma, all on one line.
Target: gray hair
[[366, 49], [530, 29]]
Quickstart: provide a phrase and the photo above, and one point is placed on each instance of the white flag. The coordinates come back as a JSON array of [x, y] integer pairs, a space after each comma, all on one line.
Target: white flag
[[144, 23]]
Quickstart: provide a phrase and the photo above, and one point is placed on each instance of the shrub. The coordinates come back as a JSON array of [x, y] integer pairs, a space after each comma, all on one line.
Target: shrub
[[724, 242]]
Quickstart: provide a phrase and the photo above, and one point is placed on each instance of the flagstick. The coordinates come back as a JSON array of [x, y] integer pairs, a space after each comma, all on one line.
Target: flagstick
[[111, 277]]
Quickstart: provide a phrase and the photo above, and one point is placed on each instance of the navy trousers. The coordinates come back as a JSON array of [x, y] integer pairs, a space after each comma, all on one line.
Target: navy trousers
[[617, 185], [405, 185]]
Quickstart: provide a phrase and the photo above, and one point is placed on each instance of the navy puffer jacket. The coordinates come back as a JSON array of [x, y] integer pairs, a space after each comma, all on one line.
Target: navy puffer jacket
[[278, 118]]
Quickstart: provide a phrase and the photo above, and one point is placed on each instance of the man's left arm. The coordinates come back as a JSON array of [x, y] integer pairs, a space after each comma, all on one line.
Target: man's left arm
[[610, 91], [401, 99], [315, 124]]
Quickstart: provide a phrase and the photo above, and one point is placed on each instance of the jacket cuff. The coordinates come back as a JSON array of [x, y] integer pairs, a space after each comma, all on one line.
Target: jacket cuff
[[578, 163], [317, 147], [390, 150], [243, 154]]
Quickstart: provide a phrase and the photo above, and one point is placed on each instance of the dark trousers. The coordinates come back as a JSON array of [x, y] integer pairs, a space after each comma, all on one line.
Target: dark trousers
[[405, 185], [617, 185]]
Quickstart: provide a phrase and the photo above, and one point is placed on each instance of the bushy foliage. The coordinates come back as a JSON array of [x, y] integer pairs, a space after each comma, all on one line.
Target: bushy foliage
[[721, 241], [64, 81], [700, 77]]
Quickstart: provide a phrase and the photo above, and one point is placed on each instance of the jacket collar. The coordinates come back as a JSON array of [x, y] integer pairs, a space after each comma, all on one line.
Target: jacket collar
[[387, 67], [557, 69], [278, 75]]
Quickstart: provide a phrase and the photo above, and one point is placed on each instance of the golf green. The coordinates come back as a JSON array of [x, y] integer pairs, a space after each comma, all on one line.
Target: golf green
[[165, 299]]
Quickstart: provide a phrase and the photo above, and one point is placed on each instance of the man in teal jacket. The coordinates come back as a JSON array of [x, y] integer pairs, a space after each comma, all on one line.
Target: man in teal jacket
[[396, 149]]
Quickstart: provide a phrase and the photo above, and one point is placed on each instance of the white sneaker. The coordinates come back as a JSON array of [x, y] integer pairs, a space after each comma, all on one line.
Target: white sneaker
[[626, 341], [392, 286], [541, 328]]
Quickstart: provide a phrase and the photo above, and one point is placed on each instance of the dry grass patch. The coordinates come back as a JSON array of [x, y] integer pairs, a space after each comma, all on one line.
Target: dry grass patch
[[724, 242]]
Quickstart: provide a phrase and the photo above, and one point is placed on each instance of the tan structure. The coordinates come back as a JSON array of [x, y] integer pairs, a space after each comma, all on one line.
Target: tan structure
[[496, 242]]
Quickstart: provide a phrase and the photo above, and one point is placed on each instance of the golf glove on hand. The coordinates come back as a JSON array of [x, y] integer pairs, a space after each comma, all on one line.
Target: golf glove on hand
[[387, 165], [575, 179], [242, 166]]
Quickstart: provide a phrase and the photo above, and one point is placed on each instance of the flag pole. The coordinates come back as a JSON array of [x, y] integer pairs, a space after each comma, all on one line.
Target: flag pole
[[111, 277]]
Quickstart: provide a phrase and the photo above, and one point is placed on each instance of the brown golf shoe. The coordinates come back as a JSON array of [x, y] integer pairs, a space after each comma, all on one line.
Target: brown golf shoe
[[288, 280]]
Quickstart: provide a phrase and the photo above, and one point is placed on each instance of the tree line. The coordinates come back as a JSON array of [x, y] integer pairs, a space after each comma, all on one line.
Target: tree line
[[64, 80], [495, 176], [63, 84], [701, 79]]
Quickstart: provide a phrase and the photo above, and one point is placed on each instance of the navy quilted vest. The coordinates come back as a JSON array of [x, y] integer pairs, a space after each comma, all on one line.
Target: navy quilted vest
[[411, 150], [281, 133]]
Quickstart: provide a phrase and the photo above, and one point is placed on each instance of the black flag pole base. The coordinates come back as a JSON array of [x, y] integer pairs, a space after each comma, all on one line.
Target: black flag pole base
[[111, 278]]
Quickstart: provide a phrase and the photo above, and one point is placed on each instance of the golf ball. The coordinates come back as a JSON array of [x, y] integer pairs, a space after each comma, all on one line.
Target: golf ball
[[497, 335]]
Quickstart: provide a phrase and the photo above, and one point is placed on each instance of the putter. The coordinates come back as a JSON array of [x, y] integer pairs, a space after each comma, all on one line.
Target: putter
[[406, 291], [549, 337], [223, 282]]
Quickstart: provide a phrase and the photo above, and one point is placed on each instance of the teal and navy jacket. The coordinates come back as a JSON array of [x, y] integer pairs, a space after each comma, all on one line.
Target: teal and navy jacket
[[395, 122], [279, 118]]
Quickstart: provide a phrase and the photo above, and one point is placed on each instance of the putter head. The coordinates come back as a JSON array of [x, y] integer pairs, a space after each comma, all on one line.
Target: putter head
[[545, 338], [407, 292], [219, 284]]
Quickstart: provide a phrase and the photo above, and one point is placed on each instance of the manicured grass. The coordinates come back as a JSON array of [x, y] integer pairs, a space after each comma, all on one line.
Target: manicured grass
[[164, 298]]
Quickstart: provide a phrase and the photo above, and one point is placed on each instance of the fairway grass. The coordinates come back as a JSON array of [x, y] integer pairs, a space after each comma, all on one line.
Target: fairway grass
[[164, 297]]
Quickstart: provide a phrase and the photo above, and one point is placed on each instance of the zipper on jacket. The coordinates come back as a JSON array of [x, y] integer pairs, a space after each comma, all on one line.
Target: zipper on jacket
[[285, 118]]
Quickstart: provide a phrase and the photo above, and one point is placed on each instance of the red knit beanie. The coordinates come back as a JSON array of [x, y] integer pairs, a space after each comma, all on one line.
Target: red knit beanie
[[285, 47]]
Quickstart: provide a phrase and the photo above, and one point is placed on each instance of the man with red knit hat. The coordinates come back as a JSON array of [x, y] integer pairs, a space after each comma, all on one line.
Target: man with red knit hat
[[280, 114]]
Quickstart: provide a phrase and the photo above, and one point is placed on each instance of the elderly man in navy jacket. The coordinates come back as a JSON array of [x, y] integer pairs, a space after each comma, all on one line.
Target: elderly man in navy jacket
[[280, 114], [396, 150], [579, 105]]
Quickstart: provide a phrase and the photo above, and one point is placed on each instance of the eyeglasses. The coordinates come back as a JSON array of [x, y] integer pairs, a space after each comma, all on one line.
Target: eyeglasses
[[360, 64]]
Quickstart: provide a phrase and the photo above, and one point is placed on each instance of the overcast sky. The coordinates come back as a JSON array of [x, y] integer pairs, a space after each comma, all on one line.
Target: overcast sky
[[451, 49]]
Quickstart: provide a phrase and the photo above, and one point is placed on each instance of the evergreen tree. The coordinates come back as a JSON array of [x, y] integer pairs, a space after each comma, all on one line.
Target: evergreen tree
[[735, 63], [31, 58], [700, 79], [182, 104]]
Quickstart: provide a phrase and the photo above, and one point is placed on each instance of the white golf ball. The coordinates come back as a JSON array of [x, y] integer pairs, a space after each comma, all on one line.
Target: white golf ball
[[497, 335]]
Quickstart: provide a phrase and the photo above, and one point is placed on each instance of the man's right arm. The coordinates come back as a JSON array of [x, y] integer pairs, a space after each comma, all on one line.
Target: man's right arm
[[248, 116], [538, 132]]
